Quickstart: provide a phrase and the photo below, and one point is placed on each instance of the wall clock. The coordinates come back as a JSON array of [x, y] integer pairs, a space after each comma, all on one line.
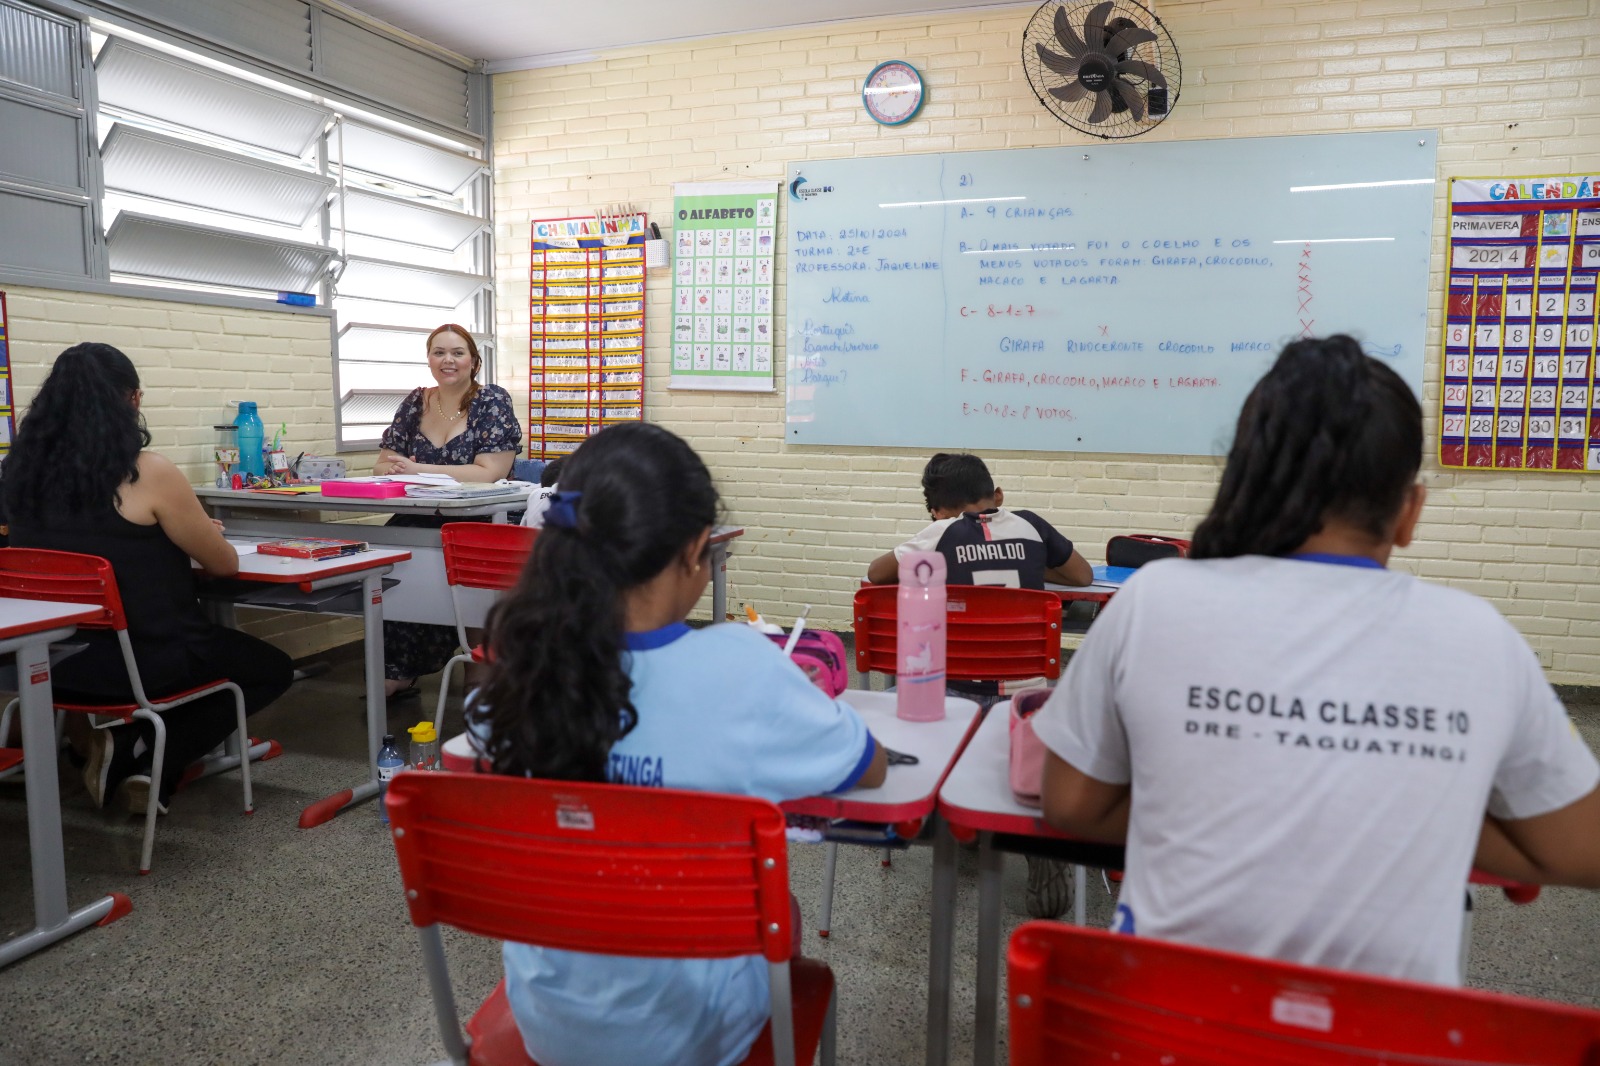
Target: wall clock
[[893, 92]]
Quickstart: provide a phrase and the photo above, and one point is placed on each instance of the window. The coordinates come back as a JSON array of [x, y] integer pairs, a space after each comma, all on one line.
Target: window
[[309, 158]]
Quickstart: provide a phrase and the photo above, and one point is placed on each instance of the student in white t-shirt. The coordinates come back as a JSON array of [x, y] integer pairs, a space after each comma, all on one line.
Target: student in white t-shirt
[[597, 678], [539, 501], [1305, 751]]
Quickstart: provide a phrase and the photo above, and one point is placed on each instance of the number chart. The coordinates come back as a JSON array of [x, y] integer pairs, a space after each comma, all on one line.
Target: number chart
[[585, 329], [1520, 376]]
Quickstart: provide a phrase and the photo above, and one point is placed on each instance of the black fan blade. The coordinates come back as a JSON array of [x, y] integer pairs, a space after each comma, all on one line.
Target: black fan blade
[[1130, 96], [1069, 40], [1131, 37], [1118, 104], [1070, 92], [1067, 68], [1102, 108], [1094, 27], [1140, 69]]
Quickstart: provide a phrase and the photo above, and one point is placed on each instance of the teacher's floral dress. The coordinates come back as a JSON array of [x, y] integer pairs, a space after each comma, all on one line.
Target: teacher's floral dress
[[416, 648]]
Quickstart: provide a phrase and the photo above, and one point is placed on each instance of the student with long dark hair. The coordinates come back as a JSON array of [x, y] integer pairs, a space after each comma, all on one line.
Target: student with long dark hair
[[1305, 750], [80, 478], [596, 677]]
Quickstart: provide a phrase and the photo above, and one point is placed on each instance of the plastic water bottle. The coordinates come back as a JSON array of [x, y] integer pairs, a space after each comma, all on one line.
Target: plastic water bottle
[[424, 747], [389, 764], [919, 651], [251, 435]]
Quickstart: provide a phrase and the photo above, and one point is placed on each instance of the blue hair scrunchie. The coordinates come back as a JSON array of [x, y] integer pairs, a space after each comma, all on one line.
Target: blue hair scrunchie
[[563, 510]]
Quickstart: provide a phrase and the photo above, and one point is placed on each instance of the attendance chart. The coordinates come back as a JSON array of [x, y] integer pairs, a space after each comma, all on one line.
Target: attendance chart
[[1521, 383], [585, 329]]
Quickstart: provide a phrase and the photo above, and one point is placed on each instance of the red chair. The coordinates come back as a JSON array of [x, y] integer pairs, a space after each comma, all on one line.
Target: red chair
[[36, 574], [608, 869], [478, 555], [1089, 996], [991, 634]]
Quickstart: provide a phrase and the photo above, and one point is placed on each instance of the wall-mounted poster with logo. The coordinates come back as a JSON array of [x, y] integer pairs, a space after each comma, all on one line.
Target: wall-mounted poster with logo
[[724, 237]]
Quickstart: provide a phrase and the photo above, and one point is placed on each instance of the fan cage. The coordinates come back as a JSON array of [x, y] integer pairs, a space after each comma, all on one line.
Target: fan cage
[[1121, 122]]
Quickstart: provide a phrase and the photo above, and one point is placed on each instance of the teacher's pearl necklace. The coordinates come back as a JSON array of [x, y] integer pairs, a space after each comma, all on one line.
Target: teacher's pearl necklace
[[440, 407]]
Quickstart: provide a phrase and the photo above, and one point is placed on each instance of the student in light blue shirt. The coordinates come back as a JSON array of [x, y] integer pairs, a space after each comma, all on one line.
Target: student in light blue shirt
[[597, 677]]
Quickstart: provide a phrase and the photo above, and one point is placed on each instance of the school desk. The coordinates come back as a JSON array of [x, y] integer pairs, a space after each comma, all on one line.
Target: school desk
[[423, 595], [27, 629], [310, 577], [976, 797], [910, 794]]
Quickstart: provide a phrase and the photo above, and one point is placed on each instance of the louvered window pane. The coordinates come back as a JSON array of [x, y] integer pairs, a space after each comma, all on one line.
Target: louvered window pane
[[146, 82], [407, 220], [38, 51], [44, 235], [167, 168], [160, 248], [375, 279], [390, 155], [382, 69]]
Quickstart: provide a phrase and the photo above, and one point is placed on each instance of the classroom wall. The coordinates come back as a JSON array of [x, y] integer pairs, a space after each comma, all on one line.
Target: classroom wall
[[192, 359], [1513, 86]]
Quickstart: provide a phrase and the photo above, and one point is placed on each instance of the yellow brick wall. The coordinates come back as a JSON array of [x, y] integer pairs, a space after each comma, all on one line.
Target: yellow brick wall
[[192, 359], [1513, 86]]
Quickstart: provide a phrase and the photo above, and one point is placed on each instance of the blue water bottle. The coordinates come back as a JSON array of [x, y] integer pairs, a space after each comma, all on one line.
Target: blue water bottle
[[251, 436], [389, 764]]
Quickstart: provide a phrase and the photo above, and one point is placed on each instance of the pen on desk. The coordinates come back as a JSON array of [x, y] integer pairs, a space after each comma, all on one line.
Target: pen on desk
[[799, 627]]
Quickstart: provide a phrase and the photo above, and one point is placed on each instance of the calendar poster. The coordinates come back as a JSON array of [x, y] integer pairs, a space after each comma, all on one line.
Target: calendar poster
[[1521, 385], [585, 329], [724, 245], [8, 422]]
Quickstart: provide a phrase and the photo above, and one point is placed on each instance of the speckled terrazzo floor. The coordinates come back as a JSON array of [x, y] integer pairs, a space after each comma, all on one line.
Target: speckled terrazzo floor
[[253, 941]]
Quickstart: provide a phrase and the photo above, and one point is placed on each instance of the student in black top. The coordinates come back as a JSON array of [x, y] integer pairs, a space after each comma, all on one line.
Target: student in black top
[[79, 479]]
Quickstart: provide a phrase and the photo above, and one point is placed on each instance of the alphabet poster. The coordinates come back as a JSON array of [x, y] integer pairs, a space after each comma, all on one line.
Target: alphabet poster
[[724, 244], [1521, 386]]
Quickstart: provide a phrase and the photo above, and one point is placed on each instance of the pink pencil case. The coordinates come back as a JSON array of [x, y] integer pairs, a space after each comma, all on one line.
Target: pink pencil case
[[366, 490]]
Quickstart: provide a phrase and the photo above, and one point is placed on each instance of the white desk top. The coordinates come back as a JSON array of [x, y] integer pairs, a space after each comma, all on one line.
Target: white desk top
[[909, 791], [977, 794], [285, 569], [465, 506], [20, 618]]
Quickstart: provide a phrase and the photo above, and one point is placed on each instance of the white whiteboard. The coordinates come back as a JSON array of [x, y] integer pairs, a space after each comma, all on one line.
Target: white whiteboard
[[1119, 298]]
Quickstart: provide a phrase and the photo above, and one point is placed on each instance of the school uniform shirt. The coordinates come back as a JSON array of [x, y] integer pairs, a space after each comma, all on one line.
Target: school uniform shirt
[[1311, 749], [538, 504], [721, 709], [993, 547]]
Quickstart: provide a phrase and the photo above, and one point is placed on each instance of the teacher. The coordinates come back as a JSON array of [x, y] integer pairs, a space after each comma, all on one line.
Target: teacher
[[458, 427]]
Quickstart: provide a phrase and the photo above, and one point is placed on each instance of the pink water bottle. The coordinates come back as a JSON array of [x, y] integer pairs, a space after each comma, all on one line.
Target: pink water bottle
[[919, 652]]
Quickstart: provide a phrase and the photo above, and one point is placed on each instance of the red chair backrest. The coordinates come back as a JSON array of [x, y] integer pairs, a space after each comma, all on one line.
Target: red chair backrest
[[486, 555], [611, 869], [67, 577], [991, 634], [1090, 996]]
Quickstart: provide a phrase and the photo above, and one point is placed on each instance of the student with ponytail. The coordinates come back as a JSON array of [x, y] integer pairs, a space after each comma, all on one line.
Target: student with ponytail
[[1305, 751], [596, 677], [80, 478]]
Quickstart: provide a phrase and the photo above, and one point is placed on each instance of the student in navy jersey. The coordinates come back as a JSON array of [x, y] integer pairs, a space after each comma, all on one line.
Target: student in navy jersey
[[596, 677], [983, 543]]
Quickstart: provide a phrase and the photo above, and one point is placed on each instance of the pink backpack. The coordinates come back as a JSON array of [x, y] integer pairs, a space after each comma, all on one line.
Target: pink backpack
[[821, 655], [1027, 750]]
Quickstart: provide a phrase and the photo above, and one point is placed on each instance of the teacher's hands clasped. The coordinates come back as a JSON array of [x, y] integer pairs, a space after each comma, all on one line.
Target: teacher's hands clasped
[[389, 463]]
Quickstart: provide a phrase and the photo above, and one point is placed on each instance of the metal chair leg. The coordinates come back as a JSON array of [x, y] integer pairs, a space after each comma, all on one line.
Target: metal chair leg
[[153, 805], [827, 888]]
